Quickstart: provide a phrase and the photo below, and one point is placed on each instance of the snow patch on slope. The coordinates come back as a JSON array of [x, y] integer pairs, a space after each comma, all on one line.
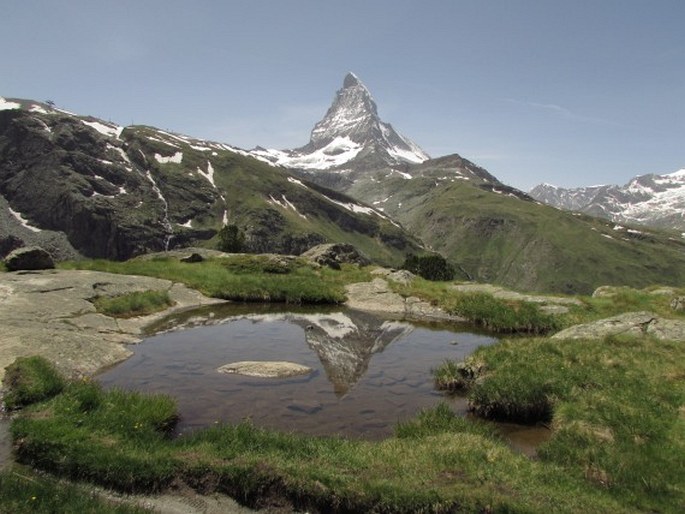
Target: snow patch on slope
[[6, 105], [107, 130], [176, 158]]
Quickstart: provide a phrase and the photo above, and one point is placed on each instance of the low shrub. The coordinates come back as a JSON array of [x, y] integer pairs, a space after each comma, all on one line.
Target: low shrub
[[430, 267], [29, 380]]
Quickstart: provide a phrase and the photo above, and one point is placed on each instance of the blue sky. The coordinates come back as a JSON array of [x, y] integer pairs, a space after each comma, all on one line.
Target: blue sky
[[566, 92]]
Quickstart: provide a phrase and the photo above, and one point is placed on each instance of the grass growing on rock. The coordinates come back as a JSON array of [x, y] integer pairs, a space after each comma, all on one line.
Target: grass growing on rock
[[437, 462], [29, 380], [616, 407], [138, 303], [236, 277]]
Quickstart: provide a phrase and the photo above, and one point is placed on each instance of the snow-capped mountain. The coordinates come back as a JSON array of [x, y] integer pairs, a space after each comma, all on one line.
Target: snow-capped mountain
[[652, 200], [351, 130]]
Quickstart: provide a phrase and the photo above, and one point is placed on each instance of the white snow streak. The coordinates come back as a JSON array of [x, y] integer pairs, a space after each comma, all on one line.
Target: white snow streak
[[285, 204], [24, 222], [209, 175]]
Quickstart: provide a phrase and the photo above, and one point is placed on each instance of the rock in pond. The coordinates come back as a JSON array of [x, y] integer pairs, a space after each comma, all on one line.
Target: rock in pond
[[265, 369]]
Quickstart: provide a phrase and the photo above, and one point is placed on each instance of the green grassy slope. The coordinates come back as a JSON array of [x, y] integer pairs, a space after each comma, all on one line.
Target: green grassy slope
[[277, 212], [504, 239]]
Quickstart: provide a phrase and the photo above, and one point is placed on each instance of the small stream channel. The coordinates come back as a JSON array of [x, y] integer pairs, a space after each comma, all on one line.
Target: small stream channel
[[369, 372]]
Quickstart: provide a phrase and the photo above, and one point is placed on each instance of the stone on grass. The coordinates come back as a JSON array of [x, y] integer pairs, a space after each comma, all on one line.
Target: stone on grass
[[29, 258], [335, 254], [630, 323], [678, 304]]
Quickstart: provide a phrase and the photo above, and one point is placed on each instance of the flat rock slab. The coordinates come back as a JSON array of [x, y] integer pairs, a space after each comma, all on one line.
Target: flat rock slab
[[630, 323], [377, 296], [265, 369], [48, 313], [505, 294]]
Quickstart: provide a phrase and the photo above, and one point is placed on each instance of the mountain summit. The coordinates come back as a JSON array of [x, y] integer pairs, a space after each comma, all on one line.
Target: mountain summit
[[351, 130]]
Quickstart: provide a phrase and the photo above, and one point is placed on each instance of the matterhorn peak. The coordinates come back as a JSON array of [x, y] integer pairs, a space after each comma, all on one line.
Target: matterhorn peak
[[351, 130], [351, 80]]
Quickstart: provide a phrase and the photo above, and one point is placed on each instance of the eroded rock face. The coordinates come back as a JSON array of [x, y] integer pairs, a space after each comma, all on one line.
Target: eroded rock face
[[29, 258], [265, 369], [630, 323]]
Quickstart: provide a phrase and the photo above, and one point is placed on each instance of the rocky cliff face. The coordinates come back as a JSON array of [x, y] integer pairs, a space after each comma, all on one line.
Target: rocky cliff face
[[116, 192], [651, 200]]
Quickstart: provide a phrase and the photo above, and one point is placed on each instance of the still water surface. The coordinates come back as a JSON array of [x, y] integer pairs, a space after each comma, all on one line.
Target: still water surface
[[369, 372]]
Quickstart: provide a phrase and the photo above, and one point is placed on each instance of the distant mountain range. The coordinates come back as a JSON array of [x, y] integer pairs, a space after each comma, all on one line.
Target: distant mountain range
[[651, 200], [80, 184]]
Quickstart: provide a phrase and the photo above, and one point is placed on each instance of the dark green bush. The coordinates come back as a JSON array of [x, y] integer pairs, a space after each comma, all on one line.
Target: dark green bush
[[430, 267], [231, 239]]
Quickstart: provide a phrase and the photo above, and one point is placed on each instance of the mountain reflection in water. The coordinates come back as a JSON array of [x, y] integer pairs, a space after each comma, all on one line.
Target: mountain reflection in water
[[369, 372]]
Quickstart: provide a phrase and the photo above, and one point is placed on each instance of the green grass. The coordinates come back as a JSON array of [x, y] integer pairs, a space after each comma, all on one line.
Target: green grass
[[616, 407], [3, 267], [23, 491], [436, 463], [503, 317], [29, 380], [138, 303], [239, 278]]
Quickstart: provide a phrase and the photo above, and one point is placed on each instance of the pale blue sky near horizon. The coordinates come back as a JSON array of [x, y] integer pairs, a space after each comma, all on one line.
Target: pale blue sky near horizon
[[571, 93]]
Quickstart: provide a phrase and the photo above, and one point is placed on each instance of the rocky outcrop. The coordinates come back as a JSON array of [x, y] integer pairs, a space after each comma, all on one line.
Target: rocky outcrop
[[630, 323], [49, 313], [265, 369], [335, 254], [29, 258], [548, 304], [376, 296]]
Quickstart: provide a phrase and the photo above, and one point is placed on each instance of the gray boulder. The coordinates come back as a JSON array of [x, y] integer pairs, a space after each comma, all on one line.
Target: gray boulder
[[29, 258], [335, 254], [678, 304]]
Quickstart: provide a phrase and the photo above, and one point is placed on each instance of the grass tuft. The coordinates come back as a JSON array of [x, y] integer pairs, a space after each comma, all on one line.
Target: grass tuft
[[503, 317], [138, 303], [29, 380]]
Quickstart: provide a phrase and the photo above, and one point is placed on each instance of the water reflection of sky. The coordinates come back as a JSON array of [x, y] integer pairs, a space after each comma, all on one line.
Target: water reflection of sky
[[369, 372]]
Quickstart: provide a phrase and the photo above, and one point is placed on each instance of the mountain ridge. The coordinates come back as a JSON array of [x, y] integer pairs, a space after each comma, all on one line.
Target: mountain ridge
[[654, 200], [116, 192]]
